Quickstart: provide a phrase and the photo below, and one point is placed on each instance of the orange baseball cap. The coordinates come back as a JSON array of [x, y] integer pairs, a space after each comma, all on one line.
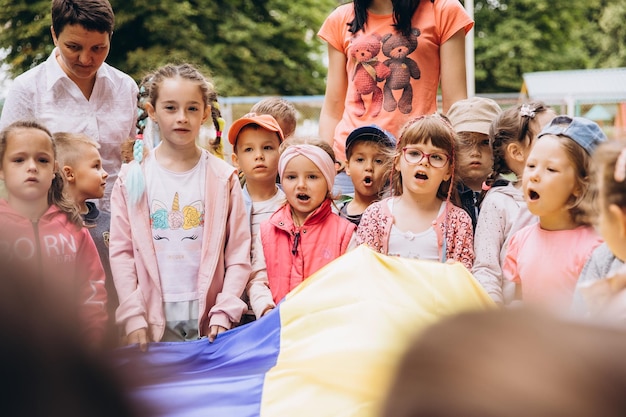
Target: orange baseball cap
[[266, 121]]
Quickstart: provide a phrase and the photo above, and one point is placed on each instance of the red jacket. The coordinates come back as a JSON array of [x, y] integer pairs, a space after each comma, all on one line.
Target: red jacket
[[294, 253], [64, 256]]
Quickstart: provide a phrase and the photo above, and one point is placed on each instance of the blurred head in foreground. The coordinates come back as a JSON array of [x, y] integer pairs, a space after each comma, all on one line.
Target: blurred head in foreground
[[47, 370], [515, 363]]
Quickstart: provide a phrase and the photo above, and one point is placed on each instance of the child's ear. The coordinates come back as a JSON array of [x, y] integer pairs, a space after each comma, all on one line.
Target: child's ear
[[581, 187], [207, 114], [620, 219], [68, 173], [235, 160], [149, 108], [347, 167], [516, 151], [396, 163]]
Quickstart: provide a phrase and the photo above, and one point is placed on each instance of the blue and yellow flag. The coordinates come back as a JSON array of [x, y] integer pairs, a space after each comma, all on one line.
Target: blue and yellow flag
[[329, 349]]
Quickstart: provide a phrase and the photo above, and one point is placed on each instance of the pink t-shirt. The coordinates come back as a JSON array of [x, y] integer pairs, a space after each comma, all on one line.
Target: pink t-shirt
[[387, 88], [548, 263]]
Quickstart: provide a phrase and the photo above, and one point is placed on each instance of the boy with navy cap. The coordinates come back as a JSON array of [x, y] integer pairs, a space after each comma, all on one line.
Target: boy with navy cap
[[369, 153]]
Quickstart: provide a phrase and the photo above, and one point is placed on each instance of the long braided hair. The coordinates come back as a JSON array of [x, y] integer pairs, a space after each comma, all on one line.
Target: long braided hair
[[513, 125]]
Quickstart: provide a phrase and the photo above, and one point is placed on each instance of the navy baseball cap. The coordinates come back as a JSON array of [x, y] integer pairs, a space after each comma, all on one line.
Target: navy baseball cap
[[585, 132], [371, 133]]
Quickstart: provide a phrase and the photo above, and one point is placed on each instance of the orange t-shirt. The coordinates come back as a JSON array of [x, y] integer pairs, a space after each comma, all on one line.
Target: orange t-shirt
[[386, 86]]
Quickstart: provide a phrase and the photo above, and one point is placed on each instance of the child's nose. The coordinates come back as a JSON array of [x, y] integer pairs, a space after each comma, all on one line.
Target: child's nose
[[32, 165], [182, 116], [533, 175]]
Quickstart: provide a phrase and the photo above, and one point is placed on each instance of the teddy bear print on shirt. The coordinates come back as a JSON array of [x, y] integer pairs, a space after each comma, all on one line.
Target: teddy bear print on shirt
[[368, 72], [397, 48]]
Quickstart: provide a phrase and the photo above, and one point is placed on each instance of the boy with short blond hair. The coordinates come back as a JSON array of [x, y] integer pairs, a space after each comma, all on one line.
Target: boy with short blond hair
[[280, 109], [85, 179], [369, 153]]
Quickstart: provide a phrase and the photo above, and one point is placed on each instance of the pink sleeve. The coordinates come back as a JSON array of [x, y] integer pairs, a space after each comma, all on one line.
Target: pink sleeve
[[93, 296], [369, 230], [228, 306], [462, 238], [258, 287], [131, 313], [509, 267]]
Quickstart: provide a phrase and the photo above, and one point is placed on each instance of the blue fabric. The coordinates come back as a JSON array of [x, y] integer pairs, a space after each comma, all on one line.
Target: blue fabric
[[328, 349], [223, 378]]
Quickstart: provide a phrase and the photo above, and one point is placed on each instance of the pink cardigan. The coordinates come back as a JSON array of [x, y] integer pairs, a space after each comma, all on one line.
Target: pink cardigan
[[224, 263], [375, 229]]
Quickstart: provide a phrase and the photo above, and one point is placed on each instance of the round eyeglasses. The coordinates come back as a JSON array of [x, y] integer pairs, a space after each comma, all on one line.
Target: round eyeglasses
[[415, 156]]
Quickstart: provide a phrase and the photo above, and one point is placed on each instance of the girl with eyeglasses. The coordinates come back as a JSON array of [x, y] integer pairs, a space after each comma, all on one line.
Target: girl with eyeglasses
[[419, 220]]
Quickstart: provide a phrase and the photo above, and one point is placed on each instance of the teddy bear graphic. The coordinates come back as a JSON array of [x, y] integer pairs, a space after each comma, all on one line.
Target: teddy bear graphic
[[397, 48], [368, 72]]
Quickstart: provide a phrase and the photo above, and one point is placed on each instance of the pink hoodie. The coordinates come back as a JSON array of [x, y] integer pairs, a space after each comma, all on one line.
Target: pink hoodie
[[62, 254], [224, 263]]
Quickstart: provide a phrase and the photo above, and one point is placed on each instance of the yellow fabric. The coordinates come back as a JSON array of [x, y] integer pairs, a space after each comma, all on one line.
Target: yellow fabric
[[345, 328]]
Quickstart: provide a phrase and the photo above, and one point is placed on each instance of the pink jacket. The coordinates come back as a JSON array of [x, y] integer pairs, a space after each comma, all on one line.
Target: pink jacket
[[294, 253], [62, 254], [375, 229], [224, 263]]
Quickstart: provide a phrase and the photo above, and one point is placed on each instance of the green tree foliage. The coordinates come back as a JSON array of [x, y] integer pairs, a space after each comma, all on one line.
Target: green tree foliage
[[258, 47], [607, 36], [517, 36]]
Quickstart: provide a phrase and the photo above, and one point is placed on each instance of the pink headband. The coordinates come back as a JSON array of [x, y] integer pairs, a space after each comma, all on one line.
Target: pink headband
[[317, 155]]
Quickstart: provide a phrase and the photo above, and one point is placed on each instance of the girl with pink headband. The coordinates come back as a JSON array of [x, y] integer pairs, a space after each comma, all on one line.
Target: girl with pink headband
[[304, 234]]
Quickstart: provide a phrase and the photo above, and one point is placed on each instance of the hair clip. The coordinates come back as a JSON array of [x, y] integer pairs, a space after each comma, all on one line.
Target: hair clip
[[485, 186], [527, 111], [620, 167]]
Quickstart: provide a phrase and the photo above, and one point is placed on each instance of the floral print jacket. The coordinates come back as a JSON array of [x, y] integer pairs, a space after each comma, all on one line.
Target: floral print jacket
[[453, 223]]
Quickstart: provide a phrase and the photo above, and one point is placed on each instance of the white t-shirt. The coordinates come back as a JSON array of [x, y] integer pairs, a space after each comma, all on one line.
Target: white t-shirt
[[262, 211], [177, 221], [407, 244]]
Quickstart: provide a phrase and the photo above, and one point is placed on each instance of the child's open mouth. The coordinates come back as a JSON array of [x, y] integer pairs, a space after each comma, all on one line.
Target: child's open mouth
[[303, 197], [421, 176], [533, 195], [367, 180]]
